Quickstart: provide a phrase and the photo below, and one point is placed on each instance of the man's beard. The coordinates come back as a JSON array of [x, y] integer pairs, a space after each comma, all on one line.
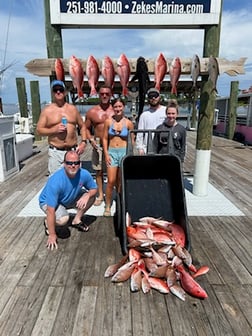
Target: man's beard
[[154, 104]]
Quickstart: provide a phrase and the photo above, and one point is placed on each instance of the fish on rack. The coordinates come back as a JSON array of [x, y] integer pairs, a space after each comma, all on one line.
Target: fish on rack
[[142, 76], [59, 69], [93, 73], [175, 72], [213, 71], [76, 72], [123, 71], [160, 70], [195, 70], [108, 71]]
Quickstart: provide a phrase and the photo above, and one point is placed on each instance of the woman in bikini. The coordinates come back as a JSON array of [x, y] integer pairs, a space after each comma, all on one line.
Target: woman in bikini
[[115, 138]]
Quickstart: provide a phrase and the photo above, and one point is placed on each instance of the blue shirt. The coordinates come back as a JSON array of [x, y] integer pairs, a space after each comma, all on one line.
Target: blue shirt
[[60, 189]]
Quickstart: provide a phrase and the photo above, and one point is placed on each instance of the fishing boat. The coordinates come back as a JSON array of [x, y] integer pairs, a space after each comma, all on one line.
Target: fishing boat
[[243, 127]]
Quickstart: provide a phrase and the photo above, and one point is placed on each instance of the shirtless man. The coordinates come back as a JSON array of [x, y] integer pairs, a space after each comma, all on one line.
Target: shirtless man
[[95, 118], [59, 121]]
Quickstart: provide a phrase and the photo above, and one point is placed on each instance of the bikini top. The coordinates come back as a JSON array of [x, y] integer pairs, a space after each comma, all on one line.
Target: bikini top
[[122, 134]]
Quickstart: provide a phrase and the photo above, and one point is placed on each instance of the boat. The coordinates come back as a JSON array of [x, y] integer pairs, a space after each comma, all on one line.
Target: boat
[[243, 127]]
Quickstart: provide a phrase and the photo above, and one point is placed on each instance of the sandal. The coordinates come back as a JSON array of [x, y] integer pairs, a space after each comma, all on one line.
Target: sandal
[[80, 227], [46, 228], [107, 212], [61, 231], [98, 201]]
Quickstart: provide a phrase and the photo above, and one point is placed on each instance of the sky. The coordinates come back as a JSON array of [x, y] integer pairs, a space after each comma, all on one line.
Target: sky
[[22, 36]]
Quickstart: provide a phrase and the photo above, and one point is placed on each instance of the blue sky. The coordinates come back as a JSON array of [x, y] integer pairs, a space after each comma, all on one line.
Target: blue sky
[[22, 36]]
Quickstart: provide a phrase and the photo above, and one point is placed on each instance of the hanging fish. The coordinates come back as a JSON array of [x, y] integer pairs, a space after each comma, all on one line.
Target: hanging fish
[[195, 70], [143, 79], [123, 71], [59, 69], [175, 71], [108, 71], [213, 71], [77, 75], [160, 70], [92, 72]]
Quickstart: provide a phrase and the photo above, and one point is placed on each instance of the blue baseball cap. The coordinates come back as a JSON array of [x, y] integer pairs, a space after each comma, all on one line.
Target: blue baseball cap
[[57, 82]]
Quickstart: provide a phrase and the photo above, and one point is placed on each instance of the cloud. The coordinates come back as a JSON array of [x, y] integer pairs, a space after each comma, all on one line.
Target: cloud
[[26, 41]]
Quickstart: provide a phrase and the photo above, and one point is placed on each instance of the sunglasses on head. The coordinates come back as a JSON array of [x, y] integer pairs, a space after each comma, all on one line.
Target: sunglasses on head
[[71, 163], [60, 89], [153, 95]]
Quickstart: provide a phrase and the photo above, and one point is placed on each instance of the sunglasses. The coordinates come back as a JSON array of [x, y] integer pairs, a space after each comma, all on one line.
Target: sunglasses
[[71, 163], [153, 96], [55, 90]]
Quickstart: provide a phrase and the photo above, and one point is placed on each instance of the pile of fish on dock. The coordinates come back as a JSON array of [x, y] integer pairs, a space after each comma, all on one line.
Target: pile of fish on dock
[[157, 258], [122, 68]]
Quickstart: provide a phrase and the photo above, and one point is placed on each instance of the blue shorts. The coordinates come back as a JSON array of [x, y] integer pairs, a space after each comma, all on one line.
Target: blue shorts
[[116, 155]]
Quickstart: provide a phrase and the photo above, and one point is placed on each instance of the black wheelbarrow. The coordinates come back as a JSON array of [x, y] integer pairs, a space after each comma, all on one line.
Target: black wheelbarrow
[[152, 185]]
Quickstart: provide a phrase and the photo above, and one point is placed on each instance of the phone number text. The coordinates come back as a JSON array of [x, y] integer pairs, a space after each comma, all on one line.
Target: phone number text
[[133, 7]]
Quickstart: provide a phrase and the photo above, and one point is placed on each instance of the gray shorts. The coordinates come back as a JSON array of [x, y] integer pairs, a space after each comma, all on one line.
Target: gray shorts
[[55, 160], [98, 161], [61, 210]]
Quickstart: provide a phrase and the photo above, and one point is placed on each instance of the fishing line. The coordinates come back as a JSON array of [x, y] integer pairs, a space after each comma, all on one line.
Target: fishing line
[[6, 45]]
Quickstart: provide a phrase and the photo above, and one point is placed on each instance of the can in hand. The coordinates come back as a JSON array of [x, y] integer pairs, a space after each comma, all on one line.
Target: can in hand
[[64, 121], [98, 142]]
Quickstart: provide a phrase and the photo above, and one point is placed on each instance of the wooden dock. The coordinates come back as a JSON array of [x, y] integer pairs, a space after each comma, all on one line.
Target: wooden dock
[[64, 292]]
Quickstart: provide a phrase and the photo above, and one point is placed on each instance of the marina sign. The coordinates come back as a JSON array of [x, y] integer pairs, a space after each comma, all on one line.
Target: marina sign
[[135, 14]]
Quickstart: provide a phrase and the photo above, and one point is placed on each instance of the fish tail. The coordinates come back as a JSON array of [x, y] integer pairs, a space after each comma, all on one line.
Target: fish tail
[[174, 91], [125, 91], [80, 93]]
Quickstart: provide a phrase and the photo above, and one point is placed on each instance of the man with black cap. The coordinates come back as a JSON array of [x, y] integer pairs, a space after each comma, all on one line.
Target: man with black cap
[[59, 121], [149, 119]]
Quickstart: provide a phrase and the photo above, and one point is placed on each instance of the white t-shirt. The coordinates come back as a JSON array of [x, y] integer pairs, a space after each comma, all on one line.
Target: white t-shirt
[[149, 120]]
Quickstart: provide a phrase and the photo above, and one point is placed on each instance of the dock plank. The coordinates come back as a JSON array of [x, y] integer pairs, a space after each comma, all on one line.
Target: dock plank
[[232, 311], [85, 316], [45, 321], [64, 292]]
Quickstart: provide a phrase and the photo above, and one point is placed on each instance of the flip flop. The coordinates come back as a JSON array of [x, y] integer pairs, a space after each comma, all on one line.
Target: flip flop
[[107, 213], [80, 227], [46, 229], [98, 202], [61, 231]]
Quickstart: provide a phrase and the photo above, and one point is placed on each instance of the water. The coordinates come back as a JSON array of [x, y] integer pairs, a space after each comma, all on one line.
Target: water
[[10, 109]]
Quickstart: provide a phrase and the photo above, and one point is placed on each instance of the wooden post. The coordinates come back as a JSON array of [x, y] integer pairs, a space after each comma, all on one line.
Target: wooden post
[[53, 36], [22, 97], [232, 109], [36, 106], [206, 116]]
